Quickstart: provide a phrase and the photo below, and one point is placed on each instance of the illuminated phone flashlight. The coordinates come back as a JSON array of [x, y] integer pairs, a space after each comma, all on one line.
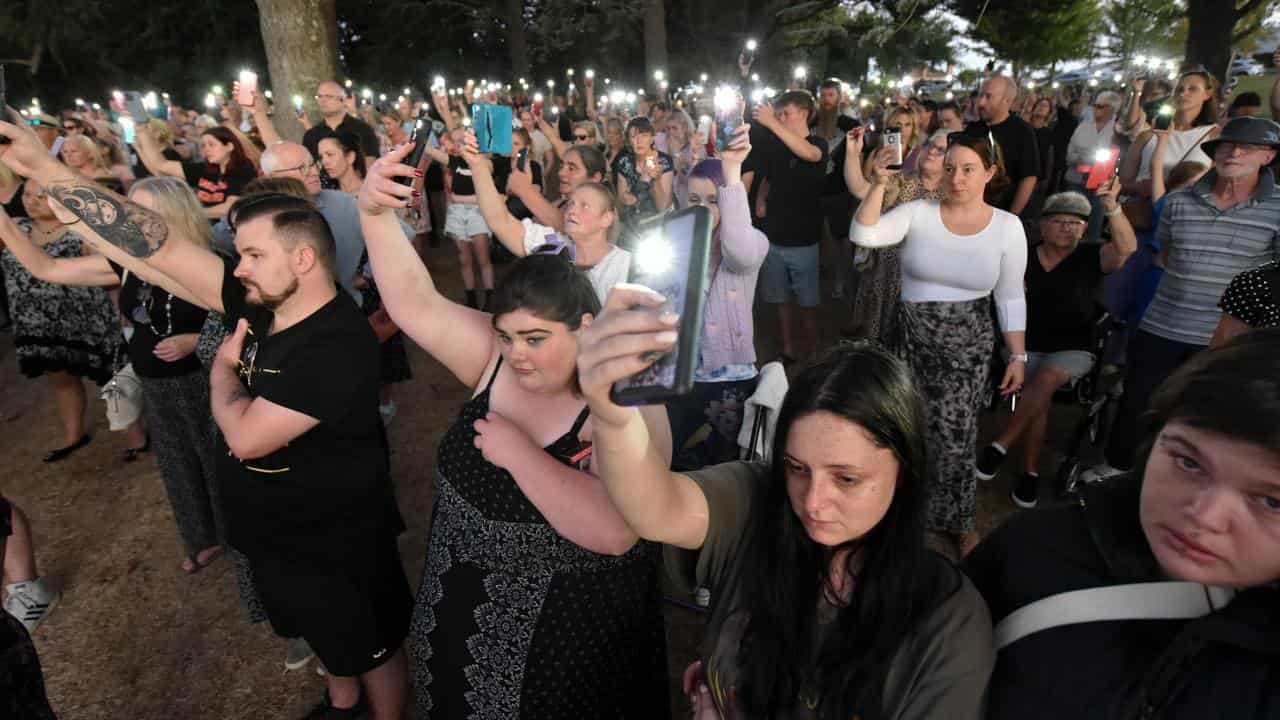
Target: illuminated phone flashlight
[[437, 82], [96, 106], [658, 75], [268, 94], [799, 72], [150, 101], [297, 103], [607, 81], [247, 77], [702, 77], [907, 81], [366, 93], [347, 83], [79, 102], [1031, 84], [1055, 85], [654, 255], [1165, 111], [572, 87], [537, 97], [466, 122], [755, 77], [1093, 82], [617, 96], [1102, 156], [210, 101], [551, 84], [569, 72], [751, 45], [117, 96], [949, 96], [757, 96], [591, 74], [407, 92], [382, 97], [631, 98], [726, 98], [1117, 78], [1173, 75], [769, 93], [217, 89], [640, 92], [663, 84]]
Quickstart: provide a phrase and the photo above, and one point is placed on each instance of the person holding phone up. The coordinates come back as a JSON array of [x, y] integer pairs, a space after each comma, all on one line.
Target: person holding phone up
[[828, 603], [957, 254], [218, 180], [645, 175], [531, 572]]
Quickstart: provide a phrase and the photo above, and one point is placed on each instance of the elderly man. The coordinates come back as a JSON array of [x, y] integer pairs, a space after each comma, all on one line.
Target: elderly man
[[1210, 232], [336, 120], [1093, 134], [1063, 281], [1016, 138]]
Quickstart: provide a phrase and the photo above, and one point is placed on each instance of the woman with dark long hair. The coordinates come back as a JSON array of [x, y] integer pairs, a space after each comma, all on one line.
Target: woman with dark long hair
[[1200, 513], [218, 180], [341, 158], [827, 602]]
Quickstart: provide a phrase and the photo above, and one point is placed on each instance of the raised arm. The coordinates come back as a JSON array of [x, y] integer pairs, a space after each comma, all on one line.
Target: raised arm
[[91, 270], [457, 336], [553, 135], [869, 227], [742, 245], [657, 504], [1158, 187], [1134, 114], [152, 156], [1124, 241], [261, 119], [440, 99], [799, 145], [520, 184], [493, 204], [854, 178]]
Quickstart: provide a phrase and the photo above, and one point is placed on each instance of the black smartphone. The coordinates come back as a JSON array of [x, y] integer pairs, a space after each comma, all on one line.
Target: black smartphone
[[1164, 118], [4, 107], [522, 159], [419, 139], [136, 108], [671, 258]]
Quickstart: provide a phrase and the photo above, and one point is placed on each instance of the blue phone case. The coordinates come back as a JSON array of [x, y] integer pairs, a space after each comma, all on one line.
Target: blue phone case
[[492, 124]]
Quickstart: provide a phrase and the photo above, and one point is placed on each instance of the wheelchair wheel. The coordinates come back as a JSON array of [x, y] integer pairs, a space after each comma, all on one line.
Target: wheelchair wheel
[[1068, 477]]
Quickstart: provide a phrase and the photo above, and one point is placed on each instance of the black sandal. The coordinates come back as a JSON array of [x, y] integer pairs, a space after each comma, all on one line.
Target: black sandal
[[65, 452], [131, 454]]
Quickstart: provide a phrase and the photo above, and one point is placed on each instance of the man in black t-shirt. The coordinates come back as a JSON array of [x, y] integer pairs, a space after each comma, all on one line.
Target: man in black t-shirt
[[830, 124], [791, 172], [334, 119], [1063, 282], [1016, 138]]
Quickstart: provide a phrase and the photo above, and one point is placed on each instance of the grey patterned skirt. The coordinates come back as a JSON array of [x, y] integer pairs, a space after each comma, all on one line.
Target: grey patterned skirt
[[948, 346]]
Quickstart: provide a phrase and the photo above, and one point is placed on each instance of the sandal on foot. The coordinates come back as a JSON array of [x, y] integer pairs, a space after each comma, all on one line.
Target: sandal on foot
[[131, 454], [65, 452], [210, 554]]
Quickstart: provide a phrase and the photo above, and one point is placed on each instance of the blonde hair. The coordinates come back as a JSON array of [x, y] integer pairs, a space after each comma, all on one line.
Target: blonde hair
[[7, 175], [90, 148], [178, 205], [161, 131]]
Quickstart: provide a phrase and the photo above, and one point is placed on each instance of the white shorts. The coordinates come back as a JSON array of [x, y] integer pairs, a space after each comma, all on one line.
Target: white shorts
[[463, 221], [1075, 363]]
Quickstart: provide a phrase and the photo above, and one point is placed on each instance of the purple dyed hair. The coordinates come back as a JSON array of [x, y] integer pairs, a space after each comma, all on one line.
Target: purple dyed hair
[[709, 169]]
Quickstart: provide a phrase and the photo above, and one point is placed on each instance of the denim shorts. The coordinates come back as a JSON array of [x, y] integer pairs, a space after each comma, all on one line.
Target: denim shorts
[[790, 274], [1075, 363], [464, 221]]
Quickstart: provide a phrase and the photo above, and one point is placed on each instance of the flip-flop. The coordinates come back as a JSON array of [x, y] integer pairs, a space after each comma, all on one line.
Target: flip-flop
[[64, 452], [214, 553], [131, 454]]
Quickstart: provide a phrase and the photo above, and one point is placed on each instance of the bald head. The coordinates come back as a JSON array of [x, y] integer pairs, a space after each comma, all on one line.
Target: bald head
[[995, 99], [289, 159], [331, 87], [329, 95]]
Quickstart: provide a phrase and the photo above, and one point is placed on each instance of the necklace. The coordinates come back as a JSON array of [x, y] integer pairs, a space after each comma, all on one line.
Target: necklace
[[142, 311]]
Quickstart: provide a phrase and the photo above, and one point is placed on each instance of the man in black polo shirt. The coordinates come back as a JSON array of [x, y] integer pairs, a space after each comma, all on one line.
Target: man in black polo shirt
[[1063, 280], [336, 119], [791, 173], [306, 485], [1016, 138]]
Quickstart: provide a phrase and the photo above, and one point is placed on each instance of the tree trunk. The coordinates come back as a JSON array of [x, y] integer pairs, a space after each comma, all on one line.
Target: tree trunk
[[655, 39], [1209, 27], [301, 39], [517, 39]]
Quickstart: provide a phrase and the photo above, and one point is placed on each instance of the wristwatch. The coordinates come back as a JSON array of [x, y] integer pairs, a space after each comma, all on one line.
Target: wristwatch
[[1019, 357]]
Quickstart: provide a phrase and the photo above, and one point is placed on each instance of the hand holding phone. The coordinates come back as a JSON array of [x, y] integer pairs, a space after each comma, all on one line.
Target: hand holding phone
[[247, 88], [136, 108], [892, 141], [419, 139], [1104, 168], [492, 125]]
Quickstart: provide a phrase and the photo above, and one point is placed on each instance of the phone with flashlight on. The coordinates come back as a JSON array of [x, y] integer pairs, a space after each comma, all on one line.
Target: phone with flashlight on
[[1104, 167], [671, 258], [729, 108]]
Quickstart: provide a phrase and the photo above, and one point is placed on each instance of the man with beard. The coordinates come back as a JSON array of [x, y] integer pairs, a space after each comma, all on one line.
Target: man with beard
[[830, 124], [305, 476]]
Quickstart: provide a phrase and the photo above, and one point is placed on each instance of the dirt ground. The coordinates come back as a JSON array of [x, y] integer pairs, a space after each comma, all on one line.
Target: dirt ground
[[133, 636]]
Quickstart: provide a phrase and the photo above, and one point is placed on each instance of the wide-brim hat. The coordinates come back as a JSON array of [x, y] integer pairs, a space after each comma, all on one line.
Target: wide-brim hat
[[1246, 131]]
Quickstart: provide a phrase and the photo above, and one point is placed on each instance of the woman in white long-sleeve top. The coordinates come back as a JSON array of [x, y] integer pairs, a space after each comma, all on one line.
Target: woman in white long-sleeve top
[[958, 254]]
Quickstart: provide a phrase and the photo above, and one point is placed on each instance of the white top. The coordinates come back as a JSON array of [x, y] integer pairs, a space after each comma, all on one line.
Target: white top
[[941, 266], [1085, 142], [1182, 145], [611, 270]]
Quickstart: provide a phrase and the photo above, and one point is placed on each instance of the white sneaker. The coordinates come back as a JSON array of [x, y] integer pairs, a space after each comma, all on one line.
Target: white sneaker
[[31, 601], [1099, 473], [297, 654]]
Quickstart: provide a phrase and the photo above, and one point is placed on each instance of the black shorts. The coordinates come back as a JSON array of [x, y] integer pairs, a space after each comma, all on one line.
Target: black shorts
[[6, 518], [354, 615]]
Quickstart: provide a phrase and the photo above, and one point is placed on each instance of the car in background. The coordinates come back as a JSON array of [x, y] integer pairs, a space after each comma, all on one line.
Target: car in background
[[1245, 66]]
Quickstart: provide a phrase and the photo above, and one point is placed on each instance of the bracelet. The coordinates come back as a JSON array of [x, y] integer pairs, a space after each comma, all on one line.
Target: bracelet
[[1113, 213], [1019, 357]]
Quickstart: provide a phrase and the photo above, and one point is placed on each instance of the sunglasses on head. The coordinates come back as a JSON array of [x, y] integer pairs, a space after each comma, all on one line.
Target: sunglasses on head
[[970, 140], [576, 136], [555, 246]]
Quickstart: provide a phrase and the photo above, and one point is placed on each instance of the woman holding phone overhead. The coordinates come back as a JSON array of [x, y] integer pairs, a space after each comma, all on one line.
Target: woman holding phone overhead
[[828, 603], [537, 600], [218, 180], [464, 224], [957, 254]]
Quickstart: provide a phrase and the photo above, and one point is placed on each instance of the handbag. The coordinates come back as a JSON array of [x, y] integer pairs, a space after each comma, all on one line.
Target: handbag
[[123, 397]]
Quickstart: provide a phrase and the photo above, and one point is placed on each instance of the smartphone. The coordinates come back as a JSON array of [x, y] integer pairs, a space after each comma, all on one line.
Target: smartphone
[[522, 159], [704, 126], [4, 107], [248, 87], [671, 258], [134, 106], [130, 130], [893, 139], [1164, 118], [749, 52], [728, 104], [419, 139], [1104, 166], [492, 124]]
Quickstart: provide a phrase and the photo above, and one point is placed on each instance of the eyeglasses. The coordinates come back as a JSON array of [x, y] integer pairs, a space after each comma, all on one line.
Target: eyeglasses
[[1069, 223], [302, 169], [968, 139], [556, 246], [576, 136], [936, 148]]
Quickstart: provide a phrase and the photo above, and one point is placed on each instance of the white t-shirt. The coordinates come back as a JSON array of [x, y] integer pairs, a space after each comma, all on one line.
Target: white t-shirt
[[611, 270], [1182, 145], [940, 266]]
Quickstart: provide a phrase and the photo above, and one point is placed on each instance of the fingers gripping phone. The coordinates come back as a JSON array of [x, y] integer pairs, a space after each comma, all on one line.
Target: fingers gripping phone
[[892, 139], [492, 124], [672, 259], [419, 139], [1104, 167]]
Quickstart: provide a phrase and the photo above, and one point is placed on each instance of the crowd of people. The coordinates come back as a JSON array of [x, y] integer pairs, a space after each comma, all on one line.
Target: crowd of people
[[246, 301]]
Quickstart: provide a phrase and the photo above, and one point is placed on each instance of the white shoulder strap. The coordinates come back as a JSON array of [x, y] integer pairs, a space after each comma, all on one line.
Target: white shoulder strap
[[1140, 601]]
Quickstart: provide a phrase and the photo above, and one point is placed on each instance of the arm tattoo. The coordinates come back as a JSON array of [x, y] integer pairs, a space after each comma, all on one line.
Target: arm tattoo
[[129, 226]]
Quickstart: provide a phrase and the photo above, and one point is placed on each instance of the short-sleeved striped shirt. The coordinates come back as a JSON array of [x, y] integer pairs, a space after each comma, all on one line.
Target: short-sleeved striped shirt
[[1208, 248]]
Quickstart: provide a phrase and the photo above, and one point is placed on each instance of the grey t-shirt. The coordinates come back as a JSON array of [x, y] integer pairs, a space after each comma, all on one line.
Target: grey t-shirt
[[941, 670]]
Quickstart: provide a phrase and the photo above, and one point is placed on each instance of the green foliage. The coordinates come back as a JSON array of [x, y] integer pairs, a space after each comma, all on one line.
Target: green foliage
[[1034, 34], [1147, 27]]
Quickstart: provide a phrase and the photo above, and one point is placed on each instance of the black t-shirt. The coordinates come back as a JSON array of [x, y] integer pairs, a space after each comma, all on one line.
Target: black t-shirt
[[502, 171], [1063, 129], [15, 207], [1017, 140], [462, 183], [1044, 143], [156, 315], [350, 124], [793, 213], [1062, 304], [212, 186], [326, 496]]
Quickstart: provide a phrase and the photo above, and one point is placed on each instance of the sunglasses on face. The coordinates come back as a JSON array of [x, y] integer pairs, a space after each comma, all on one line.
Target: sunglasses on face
[[576, 136]]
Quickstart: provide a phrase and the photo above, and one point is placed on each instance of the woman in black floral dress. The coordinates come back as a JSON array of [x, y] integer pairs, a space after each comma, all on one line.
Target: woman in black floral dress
[[64, 332]]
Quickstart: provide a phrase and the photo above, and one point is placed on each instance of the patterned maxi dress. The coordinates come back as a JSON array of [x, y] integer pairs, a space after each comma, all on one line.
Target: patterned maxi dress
[[514, 621]]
